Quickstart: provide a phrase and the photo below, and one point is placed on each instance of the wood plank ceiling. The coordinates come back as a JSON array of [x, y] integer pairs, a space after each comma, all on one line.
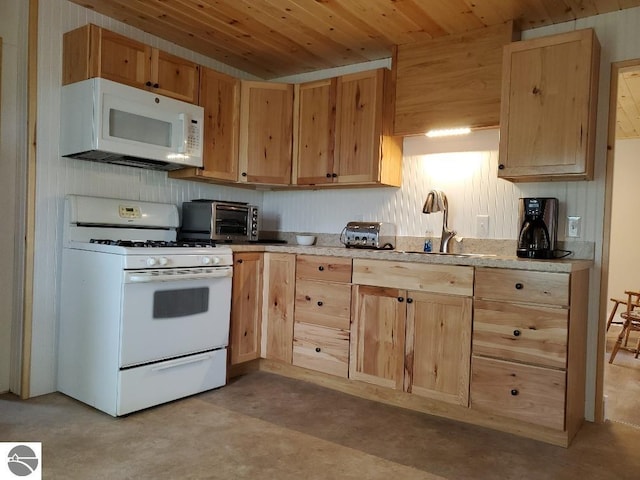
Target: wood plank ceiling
[[277, 38]]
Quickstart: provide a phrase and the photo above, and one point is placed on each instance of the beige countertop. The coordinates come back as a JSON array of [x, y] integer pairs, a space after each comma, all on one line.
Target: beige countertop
[[495, 261]]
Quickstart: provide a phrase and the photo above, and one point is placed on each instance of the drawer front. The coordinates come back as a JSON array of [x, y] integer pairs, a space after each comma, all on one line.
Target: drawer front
[[322, 349], [330, 269], [523, 392], [522, 286], [323, 303], [447, 279], [525, 333]]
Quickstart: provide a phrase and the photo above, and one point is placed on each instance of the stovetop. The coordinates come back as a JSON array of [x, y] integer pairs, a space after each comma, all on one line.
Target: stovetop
[[156, 243]]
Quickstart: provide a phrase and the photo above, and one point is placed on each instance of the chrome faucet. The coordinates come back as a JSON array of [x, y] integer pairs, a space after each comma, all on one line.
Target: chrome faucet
[[437, 202]]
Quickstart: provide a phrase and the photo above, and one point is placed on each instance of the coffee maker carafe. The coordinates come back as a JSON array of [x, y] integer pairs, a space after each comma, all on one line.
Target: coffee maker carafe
[[538, 223]]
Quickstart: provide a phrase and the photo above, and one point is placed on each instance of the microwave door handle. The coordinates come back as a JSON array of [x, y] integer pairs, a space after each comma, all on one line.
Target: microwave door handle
[[185, 119]]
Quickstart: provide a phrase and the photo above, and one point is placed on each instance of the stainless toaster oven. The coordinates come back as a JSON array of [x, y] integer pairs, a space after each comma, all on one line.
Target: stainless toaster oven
[[219, 220]]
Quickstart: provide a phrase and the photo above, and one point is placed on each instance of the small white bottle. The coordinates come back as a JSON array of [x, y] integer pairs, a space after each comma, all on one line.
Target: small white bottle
[[428, 246]]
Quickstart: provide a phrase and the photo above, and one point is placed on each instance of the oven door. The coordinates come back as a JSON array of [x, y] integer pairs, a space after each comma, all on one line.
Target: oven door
[[169, 313]]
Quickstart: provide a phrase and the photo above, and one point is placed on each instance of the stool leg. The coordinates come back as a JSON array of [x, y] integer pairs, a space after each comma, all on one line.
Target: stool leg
[[613, 314], [618, 343]]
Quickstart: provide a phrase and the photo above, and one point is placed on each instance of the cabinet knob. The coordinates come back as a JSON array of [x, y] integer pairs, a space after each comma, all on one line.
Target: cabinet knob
[[239, 260], [320, 304], [148, 84], [334, 175], [514, 392], [501, 167], [519, 286], [401, 299], [516, 333], [409, 300], [244, 174], [328, 175], [318, 349], [321, 268]]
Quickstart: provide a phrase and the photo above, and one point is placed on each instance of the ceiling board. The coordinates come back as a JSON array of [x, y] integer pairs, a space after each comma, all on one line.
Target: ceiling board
[[277, 38]]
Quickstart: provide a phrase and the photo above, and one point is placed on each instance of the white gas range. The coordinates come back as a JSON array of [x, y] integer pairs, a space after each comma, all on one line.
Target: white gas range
[[144, 319]]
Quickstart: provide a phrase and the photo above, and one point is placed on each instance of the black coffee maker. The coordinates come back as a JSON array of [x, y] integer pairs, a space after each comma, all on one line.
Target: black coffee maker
[[538, 223]]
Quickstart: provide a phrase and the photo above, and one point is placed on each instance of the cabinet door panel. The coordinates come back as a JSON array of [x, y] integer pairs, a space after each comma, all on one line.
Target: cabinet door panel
[[266, 128], [279, 298], [359, 126], [438, 349], [246, 311], [175, 77], [124, 60], [377, 336], [314, 142]]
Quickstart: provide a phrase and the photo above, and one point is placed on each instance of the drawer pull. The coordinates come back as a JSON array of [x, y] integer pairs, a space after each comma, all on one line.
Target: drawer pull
[[519, 286], [321, 268], [318, 349], [320, 304], [401, 299], [514, 392], [516, 333], [409, 300]]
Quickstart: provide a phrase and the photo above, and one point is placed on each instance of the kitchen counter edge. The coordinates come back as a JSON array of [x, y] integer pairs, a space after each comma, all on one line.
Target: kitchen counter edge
[[559, 265]]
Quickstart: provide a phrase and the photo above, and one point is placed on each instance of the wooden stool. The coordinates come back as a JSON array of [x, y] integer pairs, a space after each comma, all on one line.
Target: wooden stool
[[631, 322], [616, 302]]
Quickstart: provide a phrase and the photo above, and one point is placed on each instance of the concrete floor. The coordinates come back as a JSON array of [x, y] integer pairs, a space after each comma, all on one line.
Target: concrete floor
[[270, 427]]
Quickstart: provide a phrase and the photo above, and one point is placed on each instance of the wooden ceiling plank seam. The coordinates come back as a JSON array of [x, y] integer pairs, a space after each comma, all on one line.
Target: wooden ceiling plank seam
[[488, 12], [314, 25], [415, 10], [320, 44], [260, 32], [453, 16]]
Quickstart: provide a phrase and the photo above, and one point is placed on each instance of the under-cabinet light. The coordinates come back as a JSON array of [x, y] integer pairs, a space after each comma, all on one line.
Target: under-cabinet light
[[447, 132]]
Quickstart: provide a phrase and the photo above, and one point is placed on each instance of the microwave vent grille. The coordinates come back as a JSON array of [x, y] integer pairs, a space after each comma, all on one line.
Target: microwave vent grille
[[126, 160]]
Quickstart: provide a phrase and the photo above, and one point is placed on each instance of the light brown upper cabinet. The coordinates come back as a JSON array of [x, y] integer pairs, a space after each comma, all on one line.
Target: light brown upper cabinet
[[451, 81], [343, 131], [220, 97], [91, 51], [266, 127], [314, 137], [549, 100], [366, 152]]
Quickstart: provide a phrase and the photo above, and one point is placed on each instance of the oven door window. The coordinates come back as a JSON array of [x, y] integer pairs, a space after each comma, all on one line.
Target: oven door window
[[180, 302]]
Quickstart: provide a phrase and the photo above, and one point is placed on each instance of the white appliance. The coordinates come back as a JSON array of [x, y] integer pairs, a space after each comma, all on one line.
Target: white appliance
[[109, 122], [143, 319]]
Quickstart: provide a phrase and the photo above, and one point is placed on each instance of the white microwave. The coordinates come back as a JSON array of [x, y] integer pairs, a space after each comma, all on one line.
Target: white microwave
[[109, 122]]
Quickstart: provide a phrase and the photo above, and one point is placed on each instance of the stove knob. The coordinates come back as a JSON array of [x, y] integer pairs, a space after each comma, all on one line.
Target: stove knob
[[206, 260], [163, 260], [151, 261], [216, 260]]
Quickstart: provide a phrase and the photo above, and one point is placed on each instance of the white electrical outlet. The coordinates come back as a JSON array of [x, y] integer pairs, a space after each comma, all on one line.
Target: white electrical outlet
[[482, 226], [573, 227]]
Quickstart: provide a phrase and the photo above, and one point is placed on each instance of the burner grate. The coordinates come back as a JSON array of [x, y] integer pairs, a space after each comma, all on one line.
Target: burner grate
[[155, 243]]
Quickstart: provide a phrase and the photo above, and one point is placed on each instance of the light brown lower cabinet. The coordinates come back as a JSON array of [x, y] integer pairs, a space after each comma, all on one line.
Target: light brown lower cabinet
[[417, 340], [246, 307]]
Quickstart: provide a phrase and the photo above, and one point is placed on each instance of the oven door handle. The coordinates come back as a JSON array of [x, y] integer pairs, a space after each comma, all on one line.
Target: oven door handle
[[182, 361], [148, 277]]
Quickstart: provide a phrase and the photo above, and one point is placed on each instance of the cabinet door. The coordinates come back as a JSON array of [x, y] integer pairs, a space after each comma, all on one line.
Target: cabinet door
[[438, 346], [315, 132], [220, 97], [358, 126], [549, 99], [174, 77], [122, 60], [377, 336], [279, 299], [246, 307], [266, 126]]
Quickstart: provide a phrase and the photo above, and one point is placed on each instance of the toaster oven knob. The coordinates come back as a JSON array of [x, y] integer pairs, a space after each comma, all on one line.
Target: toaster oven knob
[[151, 261], [163, 260]]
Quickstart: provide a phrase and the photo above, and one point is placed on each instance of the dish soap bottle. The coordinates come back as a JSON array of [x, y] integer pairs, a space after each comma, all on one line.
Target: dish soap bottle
[[427, 242]]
